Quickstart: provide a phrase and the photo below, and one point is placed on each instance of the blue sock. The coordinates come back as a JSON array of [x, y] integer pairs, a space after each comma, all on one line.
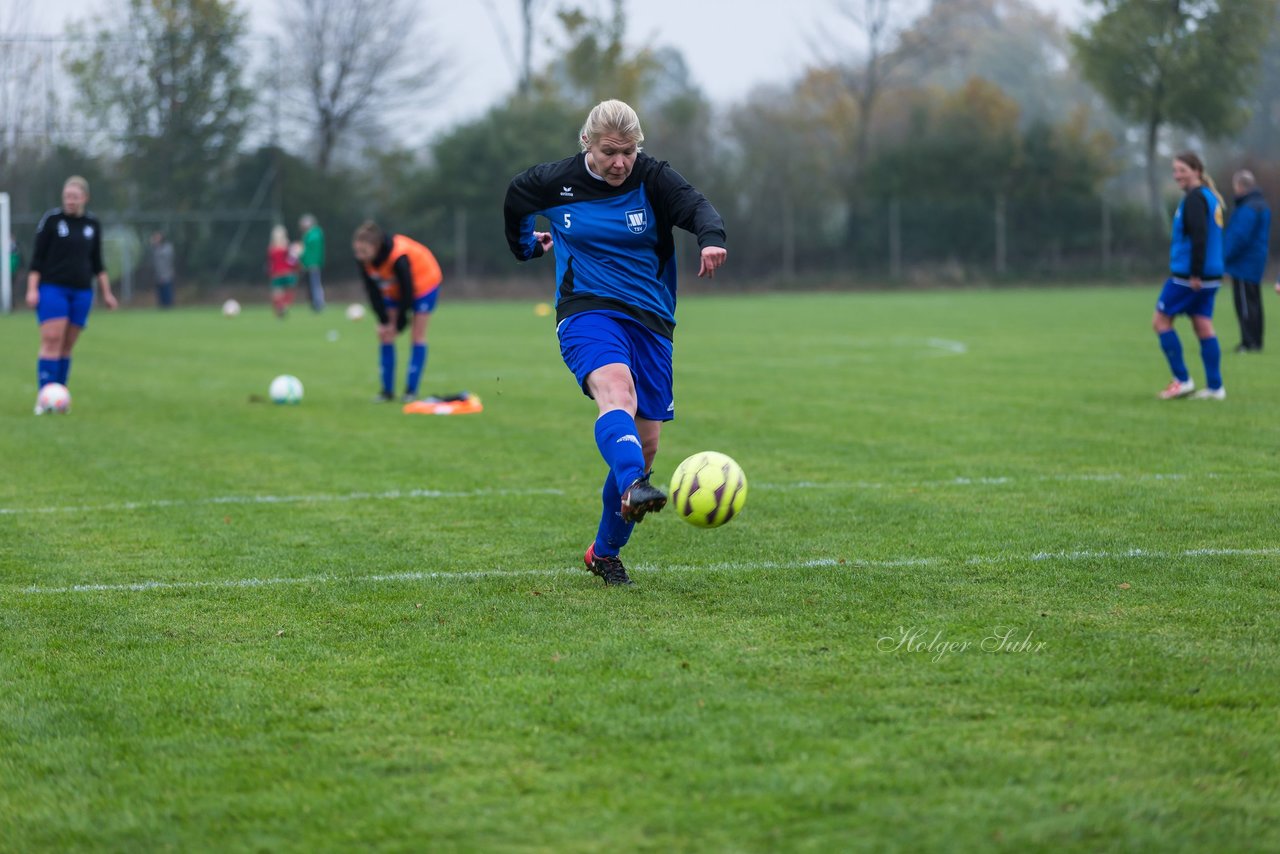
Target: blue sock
[[1173, 352], [64, 370], [1211, 353], [387, 355], [613, 533], [619, 444], [46, 371], [417, 361]]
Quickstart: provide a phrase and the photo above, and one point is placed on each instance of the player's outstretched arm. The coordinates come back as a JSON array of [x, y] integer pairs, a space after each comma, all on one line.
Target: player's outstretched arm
[[520, 209]]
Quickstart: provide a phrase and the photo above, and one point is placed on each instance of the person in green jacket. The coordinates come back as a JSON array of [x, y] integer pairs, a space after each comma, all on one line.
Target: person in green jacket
[[312, 259]]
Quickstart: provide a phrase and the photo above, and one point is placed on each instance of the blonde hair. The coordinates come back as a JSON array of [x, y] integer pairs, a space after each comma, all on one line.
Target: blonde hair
[[77, 181], [611, 117], [279, 236]]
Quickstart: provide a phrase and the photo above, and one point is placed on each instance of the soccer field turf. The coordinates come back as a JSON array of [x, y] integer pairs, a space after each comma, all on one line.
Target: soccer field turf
[[986, 591]]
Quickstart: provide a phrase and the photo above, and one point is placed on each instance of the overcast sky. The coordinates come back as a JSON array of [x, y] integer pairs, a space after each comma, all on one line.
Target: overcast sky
[[730, 45]]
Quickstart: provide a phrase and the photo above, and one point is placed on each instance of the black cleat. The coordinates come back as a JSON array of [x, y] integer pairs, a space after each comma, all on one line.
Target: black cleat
[[640, 498], [384, 397], [608, 567]]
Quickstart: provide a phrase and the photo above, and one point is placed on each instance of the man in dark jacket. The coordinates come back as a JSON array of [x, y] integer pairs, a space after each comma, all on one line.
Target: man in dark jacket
[[1245, 256]]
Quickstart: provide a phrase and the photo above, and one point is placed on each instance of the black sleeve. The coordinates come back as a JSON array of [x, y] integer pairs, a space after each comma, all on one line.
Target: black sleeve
[[1195, 224], [40, 250], [404, 278], [374, 292], [689, 209], [524, 200], [95, 249]]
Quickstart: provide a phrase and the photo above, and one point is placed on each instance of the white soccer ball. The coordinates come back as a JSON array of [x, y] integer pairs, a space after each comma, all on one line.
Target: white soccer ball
[[53, 397], [230, 308], [286, 389], [355, 311], [708, 489]]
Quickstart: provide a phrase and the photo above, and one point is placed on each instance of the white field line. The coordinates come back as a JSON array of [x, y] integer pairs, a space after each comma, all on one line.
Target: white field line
[[402, 494], [869, 349], [390, 495], [733, 566], [947, 345], [984, 480]]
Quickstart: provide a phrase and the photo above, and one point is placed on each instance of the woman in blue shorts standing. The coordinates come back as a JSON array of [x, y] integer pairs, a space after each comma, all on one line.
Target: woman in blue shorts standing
[[1195, 274], [66, 261], [612, 208]]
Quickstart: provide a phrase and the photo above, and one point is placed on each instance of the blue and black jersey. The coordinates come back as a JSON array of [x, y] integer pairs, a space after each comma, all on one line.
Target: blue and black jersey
[[1196, 248], [613, 245], [68, 249]]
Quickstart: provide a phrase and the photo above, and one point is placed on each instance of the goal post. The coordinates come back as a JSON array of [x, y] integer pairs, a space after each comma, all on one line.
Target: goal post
[[6, 275]]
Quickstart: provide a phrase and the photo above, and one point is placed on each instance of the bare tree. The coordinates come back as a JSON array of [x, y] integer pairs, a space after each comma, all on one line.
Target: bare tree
[[348, 64], [887, 45], [529, 10]]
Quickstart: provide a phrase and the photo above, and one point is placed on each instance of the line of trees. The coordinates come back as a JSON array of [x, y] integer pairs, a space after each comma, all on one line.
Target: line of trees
[[971, 138]]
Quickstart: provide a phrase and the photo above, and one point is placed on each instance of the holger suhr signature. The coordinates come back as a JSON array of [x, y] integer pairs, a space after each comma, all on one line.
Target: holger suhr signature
[[938, 646]]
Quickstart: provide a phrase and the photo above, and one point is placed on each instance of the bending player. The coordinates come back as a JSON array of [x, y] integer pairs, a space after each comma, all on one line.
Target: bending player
[[402, 278]]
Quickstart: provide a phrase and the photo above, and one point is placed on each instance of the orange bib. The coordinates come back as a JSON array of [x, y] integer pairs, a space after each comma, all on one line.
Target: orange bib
[[423, 267]]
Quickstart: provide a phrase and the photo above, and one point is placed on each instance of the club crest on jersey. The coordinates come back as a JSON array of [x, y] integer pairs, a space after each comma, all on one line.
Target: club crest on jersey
[[63, 231], [637, 220]]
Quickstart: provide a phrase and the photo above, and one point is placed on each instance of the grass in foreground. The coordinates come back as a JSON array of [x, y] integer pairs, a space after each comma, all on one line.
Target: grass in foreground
[[231, 625]]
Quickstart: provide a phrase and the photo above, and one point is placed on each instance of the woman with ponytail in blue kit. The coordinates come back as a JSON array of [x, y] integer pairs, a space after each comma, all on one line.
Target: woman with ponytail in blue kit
[[1195, 274]]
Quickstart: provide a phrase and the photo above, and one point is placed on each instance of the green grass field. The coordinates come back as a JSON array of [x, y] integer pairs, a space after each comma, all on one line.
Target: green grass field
[[987, 592]]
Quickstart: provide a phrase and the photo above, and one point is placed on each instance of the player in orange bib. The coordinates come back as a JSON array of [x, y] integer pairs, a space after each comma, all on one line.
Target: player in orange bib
[[392, 266]]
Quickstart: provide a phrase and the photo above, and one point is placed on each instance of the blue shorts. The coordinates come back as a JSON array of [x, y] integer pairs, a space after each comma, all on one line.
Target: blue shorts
[[423, 304], [59, 301], [594, 339], [1181, 299]]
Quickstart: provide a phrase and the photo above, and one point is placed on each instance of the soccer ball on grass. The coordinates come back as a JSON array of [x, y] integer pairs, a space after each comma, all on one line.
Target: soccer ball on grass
[[708, 489], [286, 389], [53, 397], [231, 308]]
